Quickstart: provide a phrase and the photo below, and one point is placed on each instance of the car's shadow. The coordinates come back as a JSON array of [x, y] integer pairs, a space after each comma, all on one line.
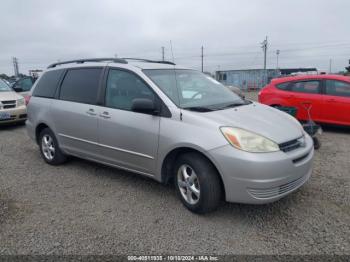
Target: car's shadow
[[11, 126], [336, 129], [151, 187]]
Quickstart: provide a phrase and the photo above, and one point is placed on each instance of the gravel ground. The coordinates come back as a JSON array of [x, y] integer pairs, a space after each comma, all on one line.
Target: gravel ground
[[86, 208]]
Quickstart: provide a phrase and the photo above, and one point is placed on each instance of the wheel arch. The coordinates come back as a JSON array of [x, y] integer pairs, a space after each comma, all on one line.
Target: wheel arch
[[38, 130], [278, 102], [275, 105], [170, 159]]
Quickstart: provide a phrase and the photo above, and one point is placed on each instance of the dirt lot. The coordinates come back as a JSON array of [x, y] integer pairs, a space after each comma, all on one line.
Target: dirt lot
[[85, 208]]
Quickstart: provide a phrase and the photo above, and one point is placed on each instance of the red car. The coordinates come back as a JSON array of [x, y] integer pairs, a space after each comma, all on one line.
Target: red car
[[329, 96]]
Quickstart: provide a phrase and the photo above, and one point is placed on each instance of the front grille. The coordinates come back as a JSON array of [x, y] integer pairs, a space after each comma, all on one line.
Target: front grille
[[8, 104], [291, 145], [277, 191]]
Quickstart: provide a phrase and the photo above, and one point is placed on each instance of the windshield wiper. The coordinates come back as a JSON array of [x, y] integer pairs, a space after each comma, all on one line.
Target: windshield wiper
[[198, 109], [234, 105]]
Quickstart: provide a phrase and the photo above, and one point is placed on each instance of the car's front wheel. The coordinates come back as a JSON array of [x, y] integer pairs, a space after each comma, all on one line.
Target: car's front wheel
[[49, 148], [197, 183]]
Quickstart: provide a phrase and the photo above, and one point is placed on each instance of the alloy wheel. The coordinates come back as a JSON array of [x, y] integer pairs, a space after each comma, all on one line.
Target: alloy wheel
[[188, 183], [48, 147]]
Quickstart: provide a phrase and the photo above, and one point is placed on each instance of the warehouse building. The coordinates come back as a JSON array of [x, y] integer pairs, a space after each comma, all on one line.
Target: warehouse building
[[252, 79]]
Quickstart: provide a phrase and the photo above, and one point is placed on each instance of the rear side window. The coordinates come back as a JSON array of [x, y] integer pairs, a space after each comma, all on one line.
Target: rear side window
[[337, 88], [283, 86], [310, 87], [81, 85], [47, 85]]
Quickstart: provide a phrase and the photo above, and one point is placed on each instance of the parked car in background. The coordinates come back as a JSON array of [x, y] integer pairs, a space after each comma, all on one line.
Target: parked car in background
[[237, 91], [23, 86], [171, 124], [328, 95], [12, 105]]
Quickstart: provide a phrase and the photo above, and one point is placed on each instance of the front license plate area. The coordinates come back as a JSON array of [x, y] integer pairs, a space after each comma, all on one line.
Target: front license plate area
[[5, 116]]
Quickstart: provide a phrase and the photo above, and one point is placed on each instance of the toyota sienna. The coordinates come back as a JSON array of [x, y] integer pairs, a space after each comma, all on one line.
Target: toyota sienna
[[169, 123]]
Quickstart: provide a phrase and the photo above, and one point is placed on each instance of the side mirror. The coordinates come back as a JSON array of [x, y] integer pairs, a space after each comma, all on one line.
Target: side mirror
[[144, 105], [17, 88]]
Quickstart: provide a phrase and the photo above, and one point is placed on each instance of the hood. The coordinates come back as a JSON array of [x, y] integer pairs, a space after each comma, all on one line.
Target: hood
[[10, 95], [260, 119]]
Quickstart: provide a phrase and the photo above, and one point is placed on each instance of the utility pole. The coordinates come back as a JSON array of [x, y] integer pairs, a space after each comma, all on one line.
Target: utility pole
[[15, 66], [277, 53], [202, 56], [163, 53], [217, 75], [330, 66], [264, 47]]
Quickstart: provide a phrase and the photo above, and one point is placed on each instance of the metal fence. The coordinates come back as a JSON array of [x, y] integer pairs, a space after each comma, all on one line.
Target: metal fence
[[250, 79]]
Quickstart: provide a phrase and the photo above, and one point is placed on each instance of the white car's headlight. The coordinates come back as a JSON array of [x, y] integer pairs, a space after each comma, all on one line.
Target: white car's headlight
[[248, 141], [21, 102]]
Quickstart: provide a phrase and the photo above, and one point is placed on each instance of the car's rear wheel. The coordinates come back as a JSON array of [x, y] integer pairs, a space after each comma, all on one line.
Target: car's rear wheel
[[197, 183], [49, 148]]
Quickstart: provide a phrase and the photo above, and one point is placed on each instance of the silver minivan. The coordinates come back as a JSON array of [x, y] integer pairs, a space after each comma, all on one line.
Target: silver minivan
[[169, 123]]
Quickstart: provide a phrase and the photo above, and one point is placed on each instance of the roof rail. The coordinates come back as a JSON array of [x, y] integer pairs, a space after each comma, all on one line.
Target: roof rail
[[81, 61], [149, 61]]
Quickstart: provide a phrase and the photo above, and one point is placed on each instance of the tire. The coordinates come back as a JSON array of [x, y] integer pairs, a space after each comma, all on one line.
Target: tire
[[317, 143], [195, 174], [51, 153]]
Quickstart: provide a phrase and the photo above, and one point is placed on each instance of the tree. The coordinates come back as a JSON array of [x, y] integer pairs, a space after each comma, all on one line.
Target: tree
[[347, 73], [4, 76]]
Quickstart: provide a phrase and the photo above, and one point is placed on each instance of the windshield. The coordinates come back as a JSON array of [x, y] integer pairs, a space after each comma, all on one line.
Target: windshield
[[190, 89], [4, 87]]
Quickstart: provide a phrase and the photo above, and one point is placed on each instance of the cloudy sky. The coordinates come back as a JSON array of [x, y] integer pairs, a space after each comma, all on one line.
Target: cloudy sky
[[307, 32]]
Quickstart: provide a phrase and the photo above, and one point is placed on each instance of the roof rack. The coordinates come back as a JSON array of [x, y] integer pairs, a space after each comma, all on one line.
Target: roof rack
[[113, 59], [81, 61], [149, 61]]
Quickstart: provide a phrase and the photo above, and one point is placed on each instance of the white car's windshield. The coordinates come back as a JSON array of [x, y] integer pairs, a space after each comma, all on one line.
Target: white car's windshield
[[4, 87], [193, 90]]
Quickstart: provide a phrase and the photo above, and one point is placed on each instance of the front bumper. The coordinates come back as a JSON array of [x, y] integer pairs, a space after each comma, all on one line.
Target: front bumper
[[258, 178], [18, 114]]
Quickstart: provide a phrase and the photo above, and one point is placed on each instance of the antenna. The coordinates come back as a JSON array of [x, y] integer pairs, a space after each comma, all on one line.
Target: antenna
[[177, 89]]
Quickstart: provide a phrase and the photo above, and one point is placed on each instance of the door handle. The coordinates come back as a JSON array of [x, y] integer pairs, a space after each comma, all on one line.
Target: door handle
[[330, 100], [105, 115], [91, 112]]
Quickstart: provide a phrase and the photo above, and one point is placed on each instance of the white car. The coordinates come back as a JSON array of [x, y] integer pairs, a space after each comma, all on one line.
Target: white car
[[12, 105]]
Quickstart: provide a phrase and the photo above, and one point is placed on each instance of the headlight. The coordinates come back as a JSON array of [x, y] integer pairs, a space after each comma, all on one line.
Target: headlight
[[248, 141], [21, 102]]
